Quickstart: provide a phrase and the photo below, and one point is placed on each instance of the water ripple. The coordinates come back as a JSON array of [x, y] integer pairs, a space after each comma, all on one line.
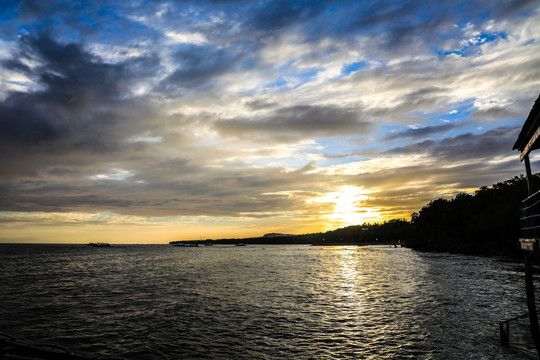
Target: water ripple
[[259, 302]]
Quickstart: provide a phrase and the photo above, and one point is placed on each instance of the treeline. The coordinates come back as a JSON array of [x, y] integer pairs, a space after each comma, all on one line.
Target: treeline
[[398, 230], [483, 223]]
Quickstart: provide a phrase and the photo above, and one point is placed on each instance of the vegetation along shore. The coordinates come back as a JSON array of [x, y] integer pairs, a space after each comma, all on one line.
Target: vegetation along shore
[[483, 223]]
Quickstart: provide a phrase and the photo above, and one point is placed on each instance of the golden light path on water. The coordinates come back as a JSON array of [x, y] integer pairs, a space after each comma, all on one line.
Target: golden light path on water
[[260, 302]]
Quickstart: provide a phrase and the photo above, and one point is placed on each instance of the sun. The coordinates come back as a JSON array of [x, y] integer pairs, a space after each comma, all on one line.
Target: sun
[[347, 206]]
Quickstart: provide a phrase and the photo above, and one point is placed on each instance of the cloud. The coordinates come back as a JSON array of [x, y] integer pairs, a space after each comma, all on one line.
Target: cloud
[[421, 132], [80, 105], [72, 82], [190, 38], [296, 122], [259, 104], [250, 110], [277, 15], [467, 147], [197, 66]]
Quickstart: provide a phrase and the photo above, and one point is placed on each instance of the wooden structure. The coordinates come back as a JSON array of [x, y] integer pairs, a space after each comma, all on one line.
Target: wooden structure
[[529, 242]]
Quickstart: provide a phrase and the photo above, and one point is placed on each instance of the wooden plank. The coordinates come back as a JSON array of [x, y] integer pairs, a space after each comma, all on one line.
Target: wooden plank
[[530, 197], [527, 149], [529, 175]]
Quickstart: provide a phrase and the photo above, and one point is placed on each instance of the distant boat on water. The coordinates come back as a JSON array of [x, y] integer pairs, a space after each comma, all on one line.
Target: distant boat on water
[[240, 244], [99, 244]]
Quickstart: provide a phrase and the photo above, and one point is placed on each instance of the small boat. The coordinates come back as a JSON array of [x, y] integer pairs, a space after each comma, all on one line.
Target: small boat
[[240, 244], [99, 244]]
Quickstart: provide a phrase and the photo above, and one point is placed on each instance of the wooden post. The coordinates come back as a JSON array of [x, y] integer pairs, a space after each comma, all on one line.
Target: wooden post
[[504, 333], [529, 174], [529, 286]]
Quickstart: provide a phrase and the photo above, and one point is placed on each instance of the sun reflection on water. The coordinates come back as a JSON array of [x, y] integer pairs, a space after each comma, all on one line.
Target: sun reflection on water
[[255, 302], [348, 272], [345, 292]]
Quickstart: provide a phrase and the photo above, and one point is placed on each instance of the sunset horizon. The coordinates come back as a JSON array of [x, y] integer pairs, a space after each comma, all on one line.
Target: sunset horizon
[[151, 122]]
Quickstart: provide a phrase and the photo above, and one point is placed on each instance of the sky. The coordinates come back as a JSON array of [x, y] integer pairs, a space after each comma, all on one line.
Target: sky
[[154, 121]]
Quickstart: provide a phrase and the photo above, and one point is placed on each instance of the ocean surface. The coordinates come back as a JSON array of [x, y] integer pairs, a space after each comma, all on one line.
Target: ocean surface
[[262, 302]]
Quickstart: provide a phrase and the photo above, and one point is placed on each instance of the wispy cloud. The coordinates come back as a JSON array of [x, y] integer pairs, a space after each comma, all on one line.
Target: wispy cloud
[[421, 132], [245, 113]]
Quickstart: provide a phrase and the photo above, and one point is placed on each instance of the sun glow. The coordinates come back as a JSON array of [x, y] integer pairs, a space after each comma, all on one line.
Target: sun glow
[[348, 209]]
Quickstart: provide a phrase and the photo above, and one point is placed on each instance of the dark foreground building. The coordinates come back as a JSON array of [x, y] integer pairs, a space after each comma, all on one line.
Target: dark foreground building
[[529, 242]]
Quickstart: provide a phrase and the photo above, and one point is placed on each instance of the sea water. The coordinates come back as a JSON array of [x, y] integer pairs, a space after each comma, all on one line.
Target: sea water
[[261, 302]]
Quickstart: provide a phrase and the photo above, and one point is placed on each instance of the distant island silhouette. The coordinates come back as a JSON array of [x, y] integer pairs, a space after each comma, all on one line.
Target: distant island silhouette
[[483, 223]]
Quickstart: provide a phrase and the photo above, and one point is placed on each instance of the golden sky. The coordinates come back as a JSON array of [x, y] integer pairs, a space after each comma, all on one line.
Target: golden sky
[[148, 122]]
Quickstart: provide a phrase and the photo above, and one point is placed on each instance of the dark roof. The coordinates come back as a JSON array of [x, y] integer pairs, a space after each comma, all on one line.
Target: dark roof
[[529, 128]]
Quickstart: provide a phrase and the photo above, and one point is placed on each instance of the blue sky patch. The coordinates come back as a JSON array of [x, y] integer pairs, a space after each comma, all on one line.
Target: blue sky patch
[[347, 69]]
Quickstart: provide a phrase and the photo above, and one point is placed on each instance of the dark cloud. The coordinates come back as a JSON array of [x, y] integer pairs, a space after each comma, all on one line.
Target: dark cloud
[[275, 15], [81, 105], [421, 147], [466, 147], [260, 104], [79, 139], [227, 193], [514, 7], [27, 124], [406, 107], [419, 98], [73, 82], [493, 113], [197, 65], [400, 25], [79, 20], [405, 27], [48, 203], [421, 132], [295, 122]]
